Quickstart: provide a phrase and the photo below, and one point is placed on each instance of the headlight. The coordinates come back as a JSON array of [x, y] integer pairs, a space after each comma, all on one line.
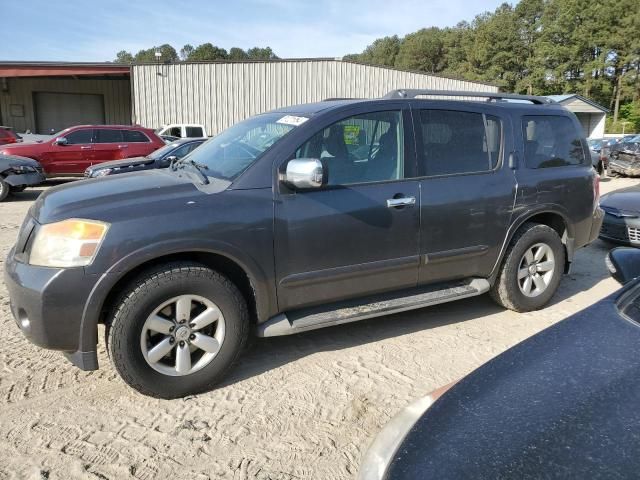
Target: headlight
[[103, 172], [69, 243], [378, 457], [20, 169]]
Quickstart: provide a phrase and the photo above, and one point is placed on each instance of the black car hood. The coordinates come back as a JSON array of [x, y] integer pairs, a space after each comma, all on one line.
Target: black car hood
[[6, 160], [562, 404], [627, 199], [127, 162], [110, 198]]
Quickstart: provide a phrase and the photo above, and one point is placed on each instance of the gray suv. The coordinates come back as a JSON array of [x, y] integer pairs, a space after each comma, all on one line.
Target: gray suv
[[301, 218]]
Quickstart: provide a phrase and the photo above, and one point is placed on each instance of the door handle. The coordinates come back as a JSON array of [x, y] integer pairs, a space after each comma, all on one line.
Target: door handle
[[401, 202], [86, 147], [123, 146]]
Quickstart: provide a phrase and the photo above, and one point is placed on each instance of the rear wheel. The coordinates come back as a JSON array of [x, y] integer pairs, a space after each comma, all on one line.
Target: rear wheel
[[4, 189], [177, 330], [531, 270]]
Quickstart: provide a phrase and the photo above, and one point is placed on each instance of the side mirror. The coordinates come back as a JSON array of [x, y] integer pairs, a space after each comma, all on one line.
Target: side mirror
[[624, 264], [166, 161], [305, 173], [60, 141]]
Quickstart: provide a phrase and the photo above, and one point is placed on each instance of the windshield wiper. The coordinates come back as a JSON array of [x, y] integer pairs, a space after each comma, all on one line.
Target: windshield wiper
[[198, 167]]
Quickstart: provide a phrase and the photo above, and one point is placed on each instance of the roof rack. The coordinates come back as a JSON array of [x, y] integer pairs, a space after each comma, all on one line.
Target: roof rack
[[490, 96]]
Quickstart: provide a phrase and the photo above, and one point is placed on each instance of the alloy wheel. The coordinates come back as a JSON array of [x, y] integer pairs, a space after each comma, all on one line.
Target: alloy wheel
[[182, 335], [536, 270]]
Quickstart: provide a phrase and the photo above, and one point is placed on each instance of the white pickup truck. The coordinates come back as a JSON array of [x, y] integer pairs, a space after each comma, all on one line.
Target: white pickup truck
[[182, 130]]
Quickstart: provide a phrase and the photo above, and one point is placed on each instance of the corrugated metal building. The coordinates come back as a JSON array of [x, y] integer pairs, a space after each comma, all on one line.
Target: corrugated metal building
[[48, 96], [219, 94]]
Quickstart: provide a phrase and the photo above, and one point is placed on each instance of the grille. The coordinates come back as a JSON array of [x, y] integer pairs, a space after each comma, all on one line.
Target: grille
[[634, 234], [620, 232]]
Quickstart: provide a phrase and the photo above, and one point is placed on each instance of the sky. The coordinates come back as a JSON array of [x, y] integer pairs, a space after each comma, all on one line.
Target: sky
[[95, 30]]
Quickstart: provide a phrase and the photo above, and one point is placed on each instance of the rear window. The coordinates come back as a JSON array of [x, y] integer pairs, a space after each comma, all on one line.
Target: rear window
[[194, 132], [134, 136], [551, 141], [108, 136]]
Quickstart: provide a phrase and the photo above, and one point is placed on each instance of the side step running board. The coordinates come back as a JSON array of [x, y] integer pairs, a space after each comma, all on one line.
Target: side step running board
[[375, 306]]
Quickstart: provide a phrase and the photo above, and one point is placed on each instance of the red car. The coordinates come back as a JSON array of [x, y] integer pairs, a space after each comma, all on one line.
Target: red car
[[8, 136], [74, 149]]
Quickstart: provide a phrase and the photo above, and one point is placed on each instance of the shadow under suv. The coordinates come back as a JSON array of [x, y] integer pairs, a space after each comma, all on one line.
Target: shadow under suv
[[305, 217]]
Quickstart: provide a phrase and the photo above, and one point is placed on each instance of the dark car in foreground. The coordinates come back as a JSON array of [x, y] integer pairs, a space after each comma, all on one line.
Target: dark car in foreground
[[561, 404], [70, 152], [18, 173], [160, 158], [621, 222], [302, 218]]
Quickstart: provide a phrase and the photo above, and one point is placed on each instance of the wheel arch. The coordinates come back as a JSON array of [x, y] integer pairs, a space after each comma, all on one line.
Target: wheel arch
[[249, 279], [551, 217]]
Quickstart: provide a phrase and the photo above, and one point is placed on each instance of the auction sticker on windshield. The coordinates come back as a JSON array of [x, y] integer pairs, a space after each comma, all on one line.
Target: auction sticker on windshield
[[292, 120]]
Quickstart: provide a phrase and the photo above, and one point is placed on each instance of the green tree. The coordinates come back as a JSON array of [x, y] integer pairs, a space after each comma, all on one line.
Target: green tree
[[123, 57], [422, 50], [186, 51], [257, 53], [383, 51], [167, 54], [238, 54], [208, 52]]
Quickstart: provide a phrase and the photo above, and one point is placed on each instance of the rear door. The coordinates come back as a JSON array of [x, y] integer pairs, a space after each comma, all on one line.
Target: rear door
[[349, 240], [468, 189], [109, 145], [136, 144], [73, 157]]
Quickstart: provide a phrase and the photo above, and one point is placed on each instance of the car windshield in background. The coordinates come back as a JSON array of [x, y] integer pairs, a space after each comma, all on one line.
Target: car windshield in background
[[229, 154], [162, 151]]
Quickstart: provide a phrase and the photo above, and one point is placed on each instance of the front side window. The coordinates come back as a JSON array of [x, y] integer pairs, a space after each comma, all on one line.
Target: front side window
[[456, 142], [104, 135], [79, 137], [359, 149], [229, 154], [551, 141]]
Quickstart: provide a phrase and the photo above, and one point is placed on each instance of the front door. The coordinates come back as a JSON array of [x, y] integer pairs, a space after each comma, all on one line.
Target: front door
[[468, 190], [360, 234], [73, 157]]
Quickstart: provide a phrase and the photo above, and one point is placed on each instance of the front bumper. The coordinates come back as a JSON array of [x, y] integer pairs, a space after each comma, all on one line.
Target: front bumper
[[48, 305], [623, 230], [25, 179]]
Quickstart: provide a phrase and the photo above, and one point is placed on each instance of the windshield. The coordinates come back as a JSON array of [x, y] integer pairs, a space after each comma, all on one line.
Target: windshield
[[229, 154], [162, 151]]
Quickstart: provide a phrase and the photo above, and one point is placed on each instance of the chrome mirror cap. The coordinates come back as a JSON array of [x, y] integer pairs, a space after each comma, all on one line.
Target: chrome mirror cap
[[304, 173]]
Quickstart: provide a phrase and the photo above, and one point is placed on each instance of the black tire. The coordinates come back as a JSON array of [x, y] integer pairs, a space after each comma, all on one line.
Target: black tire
[[506, 290], [4, 189], [146, 293]]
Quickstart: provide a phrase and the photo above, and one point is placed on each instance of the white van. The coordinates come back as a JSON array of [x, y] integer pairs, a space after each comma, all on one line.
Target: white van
[[182, 130]]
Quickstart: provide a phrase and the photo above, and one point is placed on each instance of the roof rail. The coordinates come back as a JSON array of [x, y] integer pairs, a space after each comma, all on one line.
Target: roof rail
[[490, 96]]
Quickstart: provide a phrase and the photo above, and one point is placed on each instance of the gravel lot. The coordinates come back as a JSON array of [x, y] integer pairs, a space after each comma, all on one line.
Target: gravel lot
[[299, 407]]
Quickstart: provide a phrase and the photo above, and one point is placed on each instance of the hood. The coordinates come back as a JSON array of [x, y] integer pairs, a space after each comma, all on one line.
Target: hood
[[19, 148], [6, 160], [127, 162], [117, 197], [627, 199]]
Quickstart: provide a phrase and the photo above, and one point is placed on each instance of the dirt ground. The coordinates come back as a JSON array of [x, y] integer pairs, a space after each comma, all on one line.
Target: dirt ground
[[298, 407]]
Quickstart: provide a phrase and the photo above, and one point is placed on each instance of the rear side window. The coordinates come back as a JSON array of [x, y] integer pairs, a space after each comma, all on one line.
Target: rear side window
[[459, 142], [194, 132], [79, 137], [108, 136], [551, 141], [134, 136]]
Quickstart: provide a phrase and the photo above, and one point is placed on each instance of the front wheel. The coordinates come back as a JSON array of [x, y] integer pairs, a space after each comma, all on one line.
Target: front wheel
[[531, 270], [4, 189], [177, 330]]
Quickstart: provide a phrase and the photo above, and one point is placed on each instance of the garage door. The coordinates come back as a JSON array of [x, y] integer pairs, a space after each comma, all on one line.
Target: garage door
[[56, 111]]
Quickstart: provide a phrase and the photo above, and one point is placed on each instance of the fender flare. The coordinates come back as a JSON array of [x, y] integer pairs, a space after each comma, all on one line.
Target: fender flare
[[109, 279]]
